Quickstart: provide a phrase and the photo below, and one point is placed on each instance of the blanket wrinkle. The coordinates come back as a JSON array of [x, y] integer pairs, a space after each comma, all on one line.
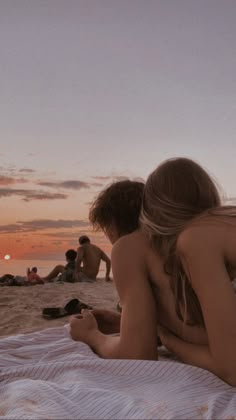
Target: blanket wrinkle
[[47, 375]]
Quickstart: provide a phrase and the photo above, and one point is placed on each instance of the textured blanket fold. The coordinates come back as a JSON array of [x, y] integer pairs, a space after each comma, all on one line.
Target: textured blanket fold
[[47, 375]]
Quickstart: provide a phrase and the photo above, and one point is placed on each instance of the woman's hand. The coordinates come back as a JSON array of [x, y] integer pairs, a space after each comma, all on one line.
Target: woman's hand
[[193, 354], [83, 326]]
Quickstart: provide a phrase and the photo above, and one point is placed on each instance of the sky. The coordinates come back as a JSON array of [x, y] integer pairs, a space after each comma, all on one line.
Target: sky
[[95, 90]]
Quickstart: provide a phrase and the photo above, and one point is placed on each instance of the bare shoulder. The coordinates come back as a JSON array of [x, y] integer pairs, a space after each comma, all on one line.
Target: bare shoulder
[[129, 256], [134, 244], [94, 248], [80, 250], [211, 233]]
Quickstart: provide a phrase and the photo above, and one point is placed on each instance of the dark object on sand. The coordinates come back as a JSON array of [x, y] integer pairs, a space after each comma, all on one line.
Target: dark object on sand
[[73, 307]]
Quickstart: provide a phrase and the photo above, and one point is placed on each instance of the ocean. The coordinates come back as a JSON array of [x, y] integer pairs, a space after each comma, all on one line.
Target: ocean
[[19, 267]]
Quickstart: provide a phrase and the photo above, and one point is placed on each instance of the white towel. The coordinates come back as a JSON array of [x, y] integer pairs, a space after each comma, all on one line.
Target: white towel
[[46, 375]]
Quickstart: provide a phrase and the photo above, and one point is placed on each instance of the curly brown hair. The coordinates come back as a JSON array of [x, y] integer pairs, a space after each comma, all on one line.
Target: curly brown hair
[[120, 203]]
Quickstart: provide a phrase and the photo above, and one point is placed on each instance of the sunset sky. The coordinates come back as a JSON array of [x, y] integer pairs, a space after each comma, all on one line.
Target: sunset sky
[[91, 91]]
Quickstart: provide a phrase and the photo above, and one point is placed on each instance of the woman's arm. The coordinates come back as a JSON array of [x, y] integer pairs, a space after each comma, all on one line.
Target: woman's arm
[[107, 260], [138, 334], [108, 321], [201, 252]]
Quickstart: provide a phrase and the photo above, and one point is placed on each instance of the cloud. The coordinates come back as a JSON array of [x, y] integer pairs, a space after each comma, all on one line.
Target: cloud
[[45, 255], [38, 246], [41, 224], [57, 243], [64, 236], [72, 237], [27, 170], [110, 178], [30, 195], [44, 196], [70, 184], [116, 178], [83, 229], [8, 180], [101, 178]]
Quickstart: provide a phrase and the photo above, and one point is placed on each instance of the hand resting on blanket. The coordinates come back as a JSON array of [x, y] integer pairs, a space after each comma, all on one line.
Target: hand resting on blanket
[[107, 322], [84, 327]]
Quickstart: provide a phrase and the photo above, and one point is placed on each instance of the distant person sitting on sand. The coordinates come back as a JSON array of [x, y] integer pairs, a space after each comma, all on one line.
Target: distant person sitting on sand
[[67, 271], [89, 257], [33, 277]]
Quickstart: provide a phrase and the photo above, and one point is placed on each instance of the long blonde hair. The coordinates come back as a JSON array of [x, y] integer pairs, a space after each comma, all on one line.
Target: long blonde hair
[[177, 192]]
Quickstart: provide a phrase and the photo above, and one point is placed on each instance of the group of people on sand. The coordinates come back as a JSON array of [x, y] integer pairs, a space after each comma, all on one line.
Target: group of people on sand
[[173, 263], [30, 279], [81, 266]]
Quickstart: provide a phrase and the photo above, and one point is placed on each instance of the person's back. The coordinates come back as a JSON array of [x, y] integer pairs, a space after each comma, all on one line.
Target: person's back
[[91, 260], [89, 257], [187, 223], [151, 263]]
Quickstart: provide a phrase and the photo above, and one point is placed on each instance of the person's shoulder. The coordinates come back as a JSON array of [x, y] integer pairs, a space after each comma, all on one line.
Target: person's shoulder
[[202, 233], [134, 243], [80, 251], [136, 238], [94, 248]]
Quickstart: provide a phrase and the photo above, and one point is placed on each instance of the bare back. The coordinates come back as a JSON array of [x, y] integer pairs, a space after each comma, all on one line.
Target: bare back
[[226, 234], [165, 301], [207, 249], [221, 231], [159, 284], [90, 256]]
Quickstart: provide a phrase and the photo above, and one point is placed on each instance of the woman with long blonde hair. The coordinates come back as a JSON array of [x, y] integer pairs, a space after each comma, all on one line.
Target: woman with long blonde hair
[[195, 235]]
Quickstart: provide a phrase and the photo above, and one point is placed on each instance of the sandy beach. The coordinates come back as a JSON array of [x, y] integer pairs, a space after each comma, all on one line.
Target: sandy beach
[[21, 307]]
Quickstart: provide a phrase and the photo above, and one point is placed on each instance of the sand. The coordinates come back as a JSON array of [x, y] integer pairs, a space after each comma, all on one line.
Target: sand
[[21, 307]]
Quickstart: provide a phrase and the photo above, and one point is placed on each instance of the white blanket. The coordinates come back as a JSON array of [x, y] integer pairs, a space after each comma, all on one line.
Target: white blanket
[[45, 375]]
